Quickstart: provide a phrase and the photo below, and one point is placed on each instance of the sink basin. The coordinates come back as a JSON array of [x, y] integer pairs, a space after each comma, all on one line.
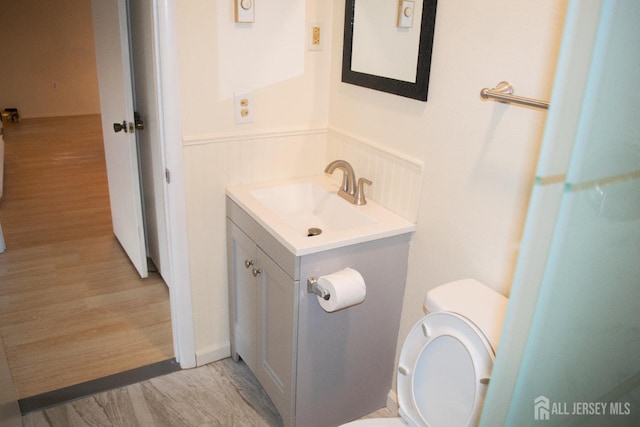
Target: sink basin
[[309, 205], [307, 215]]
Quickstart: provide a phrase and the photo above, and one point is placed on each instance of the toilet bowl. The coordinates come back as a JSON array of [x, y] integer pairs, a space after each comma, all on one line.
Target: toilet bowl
[[446, 360]]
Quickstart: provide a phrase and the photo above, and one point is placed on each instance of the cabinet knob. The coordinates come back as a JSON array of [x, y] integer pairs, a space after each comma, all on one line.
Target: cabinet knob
[[256, 272], [248, 263]]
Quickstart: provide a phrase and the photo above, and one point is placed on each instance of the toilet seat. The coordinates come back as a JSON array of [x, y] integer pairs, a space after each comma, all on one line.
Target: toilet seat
[[443, 372]]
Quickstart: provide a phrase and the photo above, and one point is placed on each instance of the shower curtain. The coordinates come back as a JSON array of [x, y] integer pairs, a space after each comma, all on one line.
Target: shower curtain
[[570, 348]]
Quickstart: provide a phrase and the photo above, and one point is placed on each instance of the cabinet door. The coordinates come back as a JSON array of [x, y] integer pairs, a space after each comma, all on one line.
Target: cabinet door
[[277, 334], [243, 296]]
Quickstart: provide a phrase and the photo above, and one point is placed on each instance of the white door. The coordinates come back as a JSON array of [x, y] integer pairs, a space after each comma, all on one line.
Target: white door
[[146, 87], [118, 129]]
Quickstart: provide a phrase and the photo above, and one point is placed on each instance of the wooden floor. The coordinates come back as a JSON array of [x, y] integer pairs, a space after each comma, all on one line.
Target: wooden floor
[[72, 307]]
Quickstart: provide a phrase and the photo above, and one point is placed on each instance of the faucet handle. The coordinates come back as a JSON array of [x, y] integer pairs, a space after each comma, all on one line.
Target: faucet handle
[[360, 199]]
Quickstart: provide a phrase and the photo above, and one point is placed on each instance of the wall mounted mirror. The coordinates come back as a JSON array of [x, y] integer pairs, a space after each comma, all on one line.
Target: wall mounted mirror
[[381, 54]]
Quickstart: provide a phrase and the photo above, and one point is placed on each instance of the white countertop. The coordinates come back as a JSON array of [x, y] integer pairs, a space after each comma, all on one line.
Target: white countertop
[[368, 222]]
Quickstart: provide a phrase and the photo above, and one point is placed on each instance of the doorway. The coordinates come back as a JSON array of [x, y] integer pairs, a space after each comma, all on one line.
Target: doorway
[[73, 307], [63, 135]]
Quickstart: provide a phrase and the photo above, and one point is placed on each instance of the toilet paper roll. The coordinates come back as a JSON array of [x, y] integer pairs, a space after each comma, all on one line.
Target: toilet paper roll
[[346, 288]]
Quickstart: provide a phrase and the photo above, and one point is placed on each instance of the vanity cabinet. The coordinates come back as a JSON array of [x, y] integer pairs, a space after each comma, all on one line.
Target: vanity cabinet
[[264, 315], [318, 368], [244, 306]]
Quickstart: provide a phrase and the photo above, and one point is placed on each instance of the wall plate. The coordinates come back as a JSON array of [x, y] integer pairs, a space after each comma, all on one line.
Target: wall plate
[[243, 107], [316, 36], [245, 10], [406, 10]]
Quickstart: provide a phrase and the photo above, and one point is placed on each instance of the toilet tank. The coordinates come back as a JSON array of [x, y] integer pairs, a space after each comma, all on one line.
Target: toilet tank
[[479, 303]]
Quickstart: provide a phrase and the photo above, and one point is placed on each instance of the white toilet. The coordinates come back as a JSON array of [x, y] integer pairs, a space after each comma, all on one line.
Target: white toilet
[[446, 360]]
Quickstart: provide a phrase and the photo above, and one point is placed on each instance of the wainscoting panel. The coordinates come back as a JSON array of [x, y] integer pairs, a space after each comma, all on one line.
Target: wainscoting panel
[[397, 178], [213, 163]]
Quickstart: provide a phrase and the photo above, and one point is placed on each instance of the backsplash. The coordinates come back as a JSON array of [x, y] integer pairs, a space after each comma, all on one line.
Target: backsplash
[[270, 156], [397, 178]]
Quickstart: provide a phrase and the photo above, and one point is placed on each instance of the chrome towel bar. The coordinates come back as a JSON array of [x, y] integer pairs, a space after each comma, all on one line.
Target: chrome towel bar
[[504, 92]]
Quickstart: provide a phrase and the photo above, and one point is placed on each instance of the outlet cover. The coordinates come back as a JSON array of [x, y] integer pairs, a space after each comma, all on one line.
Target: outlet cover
[[243, 107], [316, 36]]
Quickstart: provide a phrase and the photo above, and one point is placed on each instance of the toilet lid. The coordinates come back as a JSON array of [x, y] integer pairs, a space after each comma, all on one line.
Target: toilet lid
[[443, 372]]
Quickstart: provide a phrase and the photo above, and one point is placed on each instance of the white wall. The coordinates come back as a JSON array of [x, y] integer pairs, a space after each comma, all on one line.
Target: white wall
[[479, 157], [290, 91], [476, 158]]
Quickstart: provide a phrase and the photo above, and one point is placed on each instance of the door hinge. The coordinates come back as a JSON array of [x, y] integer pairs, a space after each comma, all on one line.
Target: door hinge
[[167, 175], [139, 123]]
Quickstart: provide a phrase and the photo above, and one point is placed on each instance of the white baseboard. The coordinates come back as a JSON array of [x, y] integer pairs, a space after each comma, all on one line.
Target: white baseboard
[[392, 403], [213, 353]]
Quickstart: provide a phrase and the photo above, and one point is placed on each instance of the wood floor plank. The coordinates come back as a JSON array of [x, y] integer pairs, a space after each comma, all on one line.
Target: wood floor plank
[[73, 308]]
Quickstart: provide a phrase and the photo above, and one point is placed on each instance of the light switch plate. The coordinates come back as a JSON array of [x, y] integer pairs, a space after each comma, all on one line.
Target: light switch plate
[[406, 10], [245, 10]]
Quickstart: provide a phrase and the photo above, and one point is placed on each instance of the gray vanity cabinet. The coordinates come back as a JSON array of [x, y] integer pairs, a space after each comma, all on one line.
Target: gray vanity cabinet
[[244, 306], [263, 299], [318, 368], [277, 337]]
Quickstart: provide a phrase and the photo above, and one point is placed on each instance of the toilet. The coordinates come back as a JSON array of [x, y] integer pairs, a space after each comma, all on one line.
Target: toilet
[[446, 360]]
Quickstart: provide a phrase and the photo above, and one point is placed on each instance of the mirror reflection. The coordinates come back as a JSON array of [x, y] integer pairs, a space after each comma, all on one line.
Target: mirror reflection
[[379, 46], [382, 53]]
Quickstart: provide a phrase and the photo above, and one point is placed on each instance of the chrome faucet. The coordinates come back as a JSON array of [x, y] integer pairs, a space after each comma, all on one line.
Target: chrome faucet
[[349, 190]]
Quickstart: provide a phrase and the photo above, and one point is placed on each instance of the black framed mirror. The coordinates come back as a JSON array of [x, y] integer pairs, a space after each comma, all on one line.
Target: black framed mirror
[[373, 31]]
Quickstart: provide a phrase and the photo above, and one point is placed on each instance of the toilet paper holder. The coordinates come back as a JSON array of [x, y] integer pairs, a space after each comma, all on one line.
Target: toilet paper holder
[[314, 288]]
